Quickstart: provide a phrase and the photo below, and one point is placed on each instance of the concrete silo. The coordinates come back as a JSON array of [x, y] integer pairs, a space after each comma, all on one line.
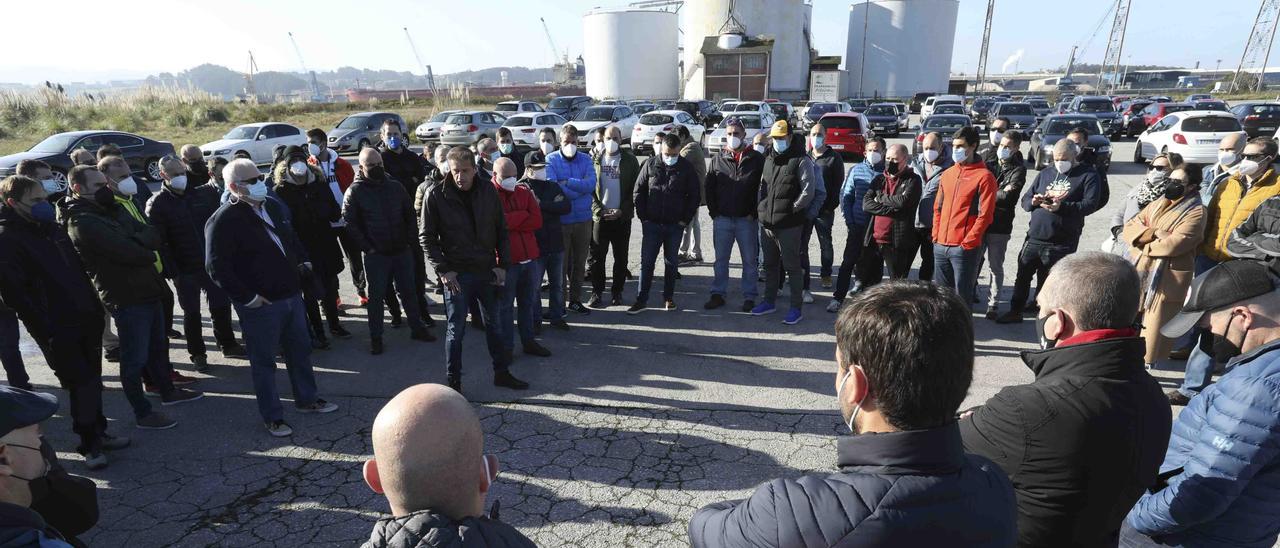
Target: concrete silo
[[631, 53], [908, 46], [787, 22]]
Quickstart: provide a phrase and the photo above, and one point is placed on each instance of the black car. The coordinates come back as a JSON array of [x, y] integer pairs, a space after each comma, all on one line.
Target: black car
[[1055, 128], [944, 124], [143, 154], [569, 106], [1020, 115], [979, 109], [1100, 107], [883, 118], [703, 111], [917, 100], [1258, 119]]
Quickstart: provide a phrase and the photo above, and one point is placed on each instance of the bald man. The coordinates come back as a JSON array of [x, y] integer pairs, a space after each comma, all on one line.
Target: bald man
[[521, 283], [892, 200], [1230, 151], [197, 169], [379, 216], [933, 159], [428, 460]]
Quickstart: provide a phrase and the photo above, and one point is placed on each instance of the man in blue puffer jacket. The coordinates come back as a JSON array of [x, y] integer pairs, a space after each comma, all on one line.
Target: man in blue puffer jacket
[[904, 357], [577, 177], [856, 184], [1221, 479]]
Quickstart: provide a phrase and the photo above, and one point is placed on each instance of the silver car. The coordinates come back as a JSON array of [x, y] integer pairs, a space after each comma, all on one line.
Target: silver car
[[363, 129], [429, 131], [465, 128]]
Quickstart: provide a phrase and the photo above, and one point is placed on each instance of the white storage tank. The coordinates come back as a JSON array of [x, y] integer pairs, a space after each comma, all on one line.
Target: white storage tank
[[631, 54], [787, 22], [908, 44]]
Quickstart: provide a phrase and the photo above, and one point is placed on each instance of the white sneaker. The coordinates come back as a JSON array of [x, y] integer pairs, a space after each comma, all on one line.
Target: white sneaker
[[833, 306], [279, 429], [808, 297]]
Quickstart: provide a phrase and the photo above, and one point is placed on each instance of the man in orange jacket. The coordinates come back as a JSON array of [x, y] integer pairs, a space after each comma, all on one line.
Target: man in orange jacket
[[962, 210]]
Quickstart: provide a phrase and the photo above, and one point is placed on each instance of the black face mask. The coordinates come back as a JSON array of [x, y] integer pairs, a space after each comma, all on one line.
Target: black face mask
[[1219, 346], [1174, 191], [892, 168], [1045, 342], [105, 197]]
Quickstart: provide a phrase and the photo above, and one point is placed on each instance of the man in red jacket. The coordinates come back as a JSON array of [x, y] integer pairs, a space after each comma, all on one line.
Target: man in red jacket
[[963, 208], [521, 285]]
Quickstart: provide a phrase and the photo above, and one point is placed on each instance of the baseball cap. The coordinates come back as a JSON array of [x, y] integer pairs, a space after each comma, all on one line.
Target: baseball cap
[[22, 408], [1220, 286], [780, 129]]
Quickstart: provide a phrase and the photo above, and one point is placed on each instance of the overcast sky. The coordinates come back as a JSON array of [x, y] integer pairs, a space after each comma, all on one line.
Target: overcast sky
[[80, 40]]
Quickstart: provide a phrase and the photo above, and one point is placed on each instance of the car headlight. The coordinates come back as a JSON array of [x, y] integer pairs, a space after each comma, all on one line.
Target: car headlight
[[344, 138], [223, 151]]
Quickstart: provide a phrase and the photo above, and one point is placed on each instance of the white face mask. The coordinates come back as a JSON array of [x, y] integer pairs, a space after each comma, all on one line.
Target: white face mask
[[611, 146], [856, 407], [996, 136], [569, 151], [444, 165], [52, 185], [547, 147], [179, 182], [931, 155], [538, 174], [313, 149], [1063, 166], [874, 157], [759, 148], [1247, 168], [1004, 153], [508, 184], [298, 169], [127, 186], [258, 191], [735, 142], [1156, 175], [1228, 158]]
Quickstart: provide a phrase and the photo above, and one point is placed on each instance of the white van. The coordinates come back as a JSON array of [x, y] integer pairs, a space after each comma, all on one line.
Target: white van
[[926, 109]]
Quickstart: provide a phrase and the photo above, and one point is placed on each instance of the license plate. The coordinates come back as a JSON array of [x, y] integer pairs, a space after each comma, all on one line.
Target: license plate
[[1266, 129], [456, 132], [838, 147], [1206, 141]]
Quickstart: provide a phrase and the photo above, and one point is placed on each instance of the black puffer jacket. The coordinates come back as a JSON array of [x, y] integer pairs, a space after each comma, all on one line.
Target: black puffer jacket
[[1012, 173], [180, 218], [900, 206], [910, 489], [464, 233], [733, 187], [404, 166], [427, 529], [118, 252], [42, 279], [379, 215], [667, 194], [313, 209], [1081, 443], [831, 163]]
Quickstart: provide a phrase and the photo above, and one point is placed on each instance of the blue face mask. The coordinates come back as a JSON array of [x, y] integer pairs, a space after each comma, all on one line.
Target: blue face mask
[[42, 212], [670, 160], [958, 155], [780, 145], [393, 142]]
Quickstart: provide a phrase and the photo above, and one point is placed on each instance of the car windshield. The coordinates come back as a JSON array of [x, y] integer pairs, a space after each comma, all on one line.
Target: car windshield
[[596, 114], [641, 109], [518, 121], [459, 119], [1211, 105], [841, 122], [1210, 124], [746, 107], [561, 102], [778, 109], [666, 105], [1063, 126], [1038, 103], [948, 109], [882, 110], [938, 124], [1016, 109], [748, 122], [687, 106], [506, 107], [56, 144], [441, 117], [1138, 106], [246, 133], [822, 108], [1254, 109], [656, 119], [1168, 109], [353, 122], [1096, 106]]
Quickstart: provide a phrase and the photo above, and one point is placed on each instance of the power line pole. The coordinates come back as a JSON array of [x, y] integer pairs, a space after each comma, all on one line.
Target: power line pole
[[1258, 43], [986, 43], [862, 65], [1115, 45]]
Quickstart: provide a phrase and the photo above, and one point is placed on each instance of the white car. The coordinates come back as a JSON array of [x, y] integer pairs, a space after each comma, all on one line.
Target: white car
[[510, 107], [526, 126], [904, 116], [258, 140], [429, 131], [752, 123], [604, 115], [665, 121], [1195, 134], [757, 107], [926, 109]]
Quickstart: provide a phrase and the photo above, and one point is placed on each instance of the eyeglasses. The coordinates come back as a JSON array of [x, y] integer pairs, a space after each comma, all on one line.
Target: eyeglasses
[[1178, 181], [1257, 156]]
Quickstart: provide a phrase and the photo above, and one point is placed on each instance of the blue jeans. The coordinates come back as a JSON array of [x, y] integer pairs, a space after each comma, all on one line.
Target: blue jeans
[[655, 236], [521, 289], [746, 232], [143, 347], [379, 271], [552, 265], [283, 323], [1200, 365], [956, 268], [10, 355], [474, 286], [822, 225]]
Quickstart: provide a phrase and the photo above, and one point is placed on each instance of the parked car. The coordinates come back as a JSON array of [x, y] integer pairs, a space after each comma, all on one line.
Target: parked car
[[882, 118], [1020, 115], [1061, 107], [465, 128], [949, 108], [704, 111], [944, 124], [609, 102], [1197, 97], [1153, 113], [665, 121], [847, 132], [858, 105], [604, 115], [641, 108], [720, 104], [429, 131], [917, 101], [1195, 134], [142, 154], [569, 106], [1040, 107], [258, 140], [526, 126], [1258, 118], [1128, 111], [979, 109], [1117, 99], [1101, 108], [783, 111], [508, 107], [1055, 128], [904, 116], [363, 129], [931, 103], [1210, 104], [818, 110], [752, 123], [759, 107]]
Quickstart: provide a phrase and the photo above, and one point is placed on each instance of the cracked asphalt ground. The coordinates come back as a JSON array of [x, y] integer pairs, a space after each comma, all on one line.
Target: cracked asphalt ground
[[633, 424]]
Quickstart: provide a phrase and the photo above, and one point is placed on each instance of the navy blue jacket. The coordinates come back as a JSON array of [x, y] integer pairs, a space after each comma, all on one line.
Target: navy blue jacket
[[244, 261], [733, 187], [554, 203], [42, 279], [912, 488], [667, 194], [1079, 192], [1224, 463]]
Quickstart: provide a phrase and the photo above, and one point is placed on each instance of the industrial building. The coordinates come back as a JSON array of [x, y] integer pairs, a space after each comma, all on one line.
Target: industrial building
[[897, 48], [631, 53], [777, 38]]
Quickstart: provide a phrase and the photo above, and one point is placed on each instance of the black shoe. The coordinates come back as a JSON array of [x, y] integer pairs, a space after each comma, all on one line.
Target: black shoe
[[320, 344], [423, 335], [234, 351], [112, 354], [375, 346], [201, 363], [456, 384], [616, 300], [1012, 316], [630, 276], [174, 334], [428, 321], [747, 305], [678, 275], [506, 380], [560, 324], [339, 332], [992, 312], [636, 308], [535, 349], [576, 306], [1176, 397], [596, 301], [396, 322], [716, 301]]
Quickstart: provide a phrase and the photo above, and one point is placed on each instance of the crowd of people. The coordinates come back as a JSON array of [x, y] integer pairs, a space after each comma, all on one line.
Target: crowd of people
[[1086, 454]]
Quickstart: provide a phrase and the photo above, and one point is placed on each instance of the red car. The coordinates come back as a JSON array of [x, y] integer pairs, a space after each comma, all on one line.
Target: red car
[[1152, 114], [1117, 99], [847, 132]]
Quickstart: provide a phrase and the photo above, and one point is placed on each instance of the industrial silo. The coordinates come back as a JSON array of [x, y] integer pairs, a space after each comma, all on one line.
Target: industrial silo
[[786, 22], [631, 54], [908, 45]]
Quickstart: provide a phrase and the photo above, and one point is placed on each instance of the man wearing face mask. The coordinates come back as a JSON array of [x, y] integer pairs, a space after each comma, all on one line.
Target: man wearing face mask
[[380, 217], [962, 210], [255, 256], [44, 283], [691, 150], [612, 207], [120, 254], [487, 152], [25, 472], [990, 150], [1011, 176], [55, 189], [305, 191], [1230, 151], [1059, 200], [197, 169], [179, 211], [507, 148], [464, 232], [786, 189], [831, 164], [520, 286], [577, 178], [338, 176], [597, 142], [852, 192], [547, 143], [904, 361], [733, 187], [666, 199], [409, 170], [215, 173], [550, 237], [1219, 476], [892, 201], [10, 353], [1089, 157], [1093, 424], [930, 164]]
